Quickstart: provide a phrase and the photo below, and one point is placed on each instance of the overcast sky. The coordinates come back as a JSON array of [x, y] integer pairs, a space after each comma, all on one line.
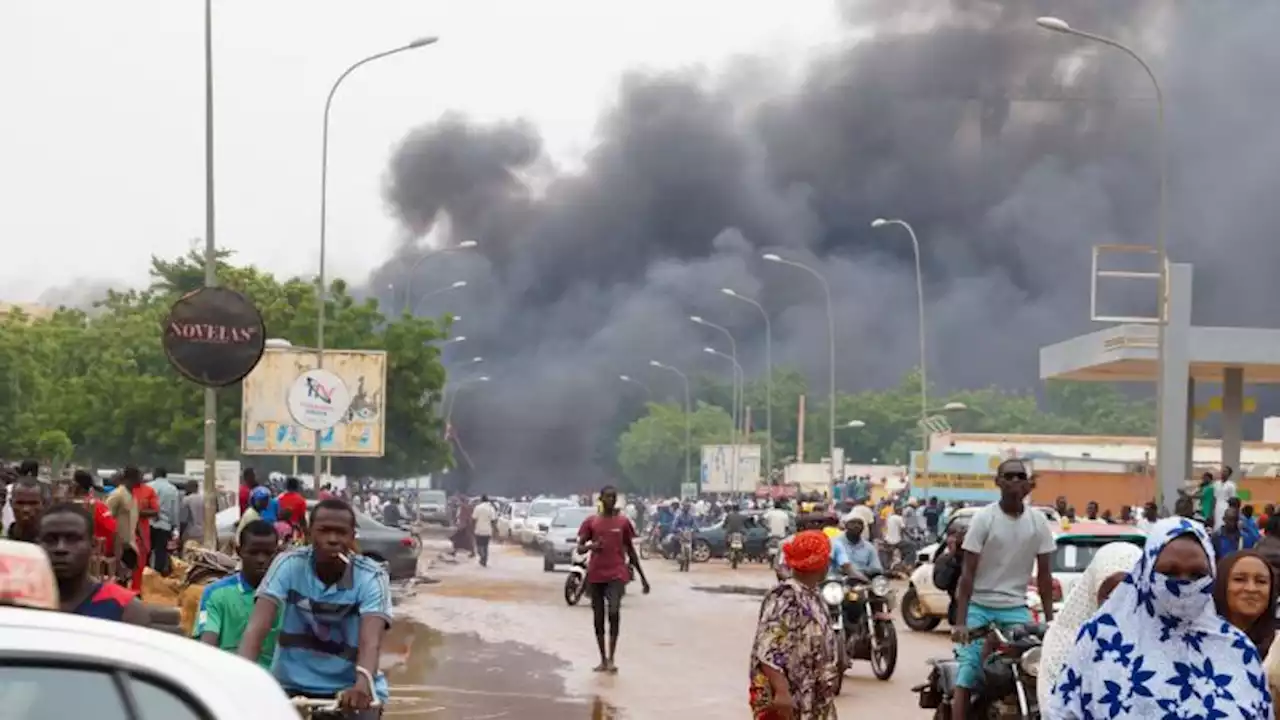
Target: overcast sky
[[101, 140]]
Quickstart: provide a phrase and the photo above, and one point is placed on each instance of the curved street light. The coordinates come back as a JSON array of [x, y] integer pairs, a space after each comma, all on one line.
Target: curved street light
[[453, 396], [831, 348], [854, 425], [456, 285], [1170, 474], [733, 353], [408, 286], [924, 362], [768, 362], [633, 381], [324, 206], [688, 444]]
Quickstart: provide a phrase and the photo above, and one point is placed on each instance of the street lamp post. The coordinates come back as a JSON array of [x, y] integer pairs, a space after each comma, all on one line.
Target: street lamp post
[[735, 438], [408, 285], [210, 480], [688, 449], [768, 362], [628, 379], [448, 418], [456, 285], [924, 361], [321, 294], [738, 377], [831, 348], [1171, 470]]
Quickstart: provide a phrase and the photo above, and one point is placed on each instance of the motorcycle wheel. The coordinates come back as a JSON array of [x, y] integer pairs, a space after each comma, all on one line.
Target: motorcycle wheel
[[733, 560], [884, 653], [913, 613], [573, 589]]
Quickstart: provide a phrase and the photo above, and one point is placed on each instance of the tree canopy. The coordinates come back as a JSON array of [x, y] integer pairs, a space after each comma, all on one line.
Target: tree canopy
[[95, 387], [650, 451]]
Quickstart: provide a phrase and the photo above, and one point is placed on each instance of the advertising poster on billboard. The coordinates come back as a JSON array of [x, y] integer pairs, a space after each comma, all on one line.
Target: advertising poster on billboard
[[286, 399], [717, 469]]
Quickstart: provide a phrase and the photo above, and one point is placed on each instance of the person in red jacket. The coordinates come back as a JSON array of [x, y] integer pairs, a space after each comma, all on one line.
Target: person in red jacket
[[104, 524], [248, 481], [291, 499]]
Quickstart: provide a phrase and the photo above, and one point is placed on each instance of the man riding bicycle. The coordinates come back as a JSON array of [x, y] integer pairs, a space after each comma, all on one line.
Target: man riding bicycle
[[336, 608]]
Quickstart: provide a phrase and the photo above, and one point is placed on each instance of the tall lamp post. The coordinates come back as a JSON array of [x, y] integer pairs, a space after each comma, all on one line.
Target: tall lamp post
[[1171, 470], [924, 361], [688, 444], [210, 538], [321, 290], [831, 348], [448, 418], [408, 285], [768, 382], [737, 381]]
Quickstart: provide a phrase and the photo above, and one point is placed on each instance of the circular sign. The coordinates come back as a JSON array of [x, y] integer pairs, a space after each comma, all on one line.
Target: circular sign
[[214, 336], [318, 400]]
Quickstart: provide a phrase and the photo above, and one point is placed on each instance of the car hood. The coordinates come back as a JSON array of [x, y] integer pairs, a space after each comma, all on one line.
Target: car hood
[[562, 533]]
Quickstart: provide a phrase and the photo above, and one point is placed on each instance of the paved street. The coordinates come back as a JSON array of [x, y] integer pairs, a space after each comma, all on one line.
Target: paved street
[[500, 642]]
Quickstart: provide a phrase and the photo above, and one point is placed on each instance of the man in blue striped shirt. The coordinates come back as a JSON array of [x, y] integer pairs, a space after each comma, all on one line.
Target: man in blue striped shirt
[[337, 607]]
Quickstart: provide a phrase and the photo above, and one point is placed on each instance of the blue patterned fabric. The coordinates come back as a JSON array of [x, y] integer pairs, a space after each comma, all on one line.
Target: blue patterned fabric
[[1158, 650]]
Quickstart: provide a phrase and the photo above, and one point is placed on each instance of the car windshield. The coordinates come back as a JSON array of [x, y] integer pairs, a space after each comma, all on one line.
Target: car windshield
[[432, 497], [546, 508], [571, 517], [1074, 554]]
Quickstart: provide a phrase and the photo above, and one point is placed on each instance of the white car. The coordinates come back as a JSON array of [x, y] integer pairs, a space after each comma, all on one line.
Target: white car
[[539, 519], [562, 537], [60, 665], [511, 521]]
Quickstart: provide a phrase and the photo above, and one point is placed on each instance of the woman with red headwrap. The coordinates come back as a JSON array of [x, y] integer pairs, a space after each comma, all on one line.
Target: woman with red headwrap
[[792, 657]]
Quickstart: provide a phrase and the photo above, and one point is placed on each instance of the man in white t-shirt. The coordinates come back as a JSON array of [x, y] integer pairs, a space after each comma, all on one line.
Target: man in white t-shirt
[[893, 527], [777, 521], [483, 516], [1223, 491]]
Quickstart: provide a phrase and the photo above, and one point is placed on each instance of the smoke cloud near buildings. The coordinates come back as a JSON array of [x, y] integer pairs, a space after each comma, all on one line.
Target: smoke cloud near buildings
[[1011, 150]]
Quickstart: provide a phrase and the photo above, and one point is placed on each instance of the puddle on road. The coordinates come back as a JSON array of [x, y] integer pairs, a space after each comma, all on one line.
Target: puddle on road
[[438, 676]]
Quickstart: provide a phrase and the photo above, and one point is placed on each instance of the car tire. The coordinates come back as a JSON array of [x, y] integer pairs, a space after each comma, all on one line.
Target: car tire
[[701, 551], [913, 614]]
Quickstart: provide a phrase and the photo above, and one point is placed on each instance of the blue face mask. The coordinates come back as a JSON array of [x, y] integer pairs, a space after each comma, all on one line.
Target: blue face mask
[[1184, 599]]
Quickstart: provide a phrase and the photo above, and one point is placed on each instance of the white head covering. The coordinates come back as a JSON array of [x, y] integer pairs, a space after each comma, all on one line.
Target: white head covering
[[1080, 605], [1158, 650]]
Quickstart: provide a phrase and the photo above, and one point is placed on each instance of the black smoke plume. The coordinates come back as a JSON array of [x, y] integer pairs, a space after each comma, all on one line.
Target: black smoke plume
[[1012, 150]]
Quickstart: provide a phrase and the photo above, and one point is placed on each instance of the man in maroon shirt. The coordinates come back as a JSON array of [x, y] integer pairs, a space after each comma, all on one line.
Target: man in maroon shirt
[[609, 536], [248, 481]]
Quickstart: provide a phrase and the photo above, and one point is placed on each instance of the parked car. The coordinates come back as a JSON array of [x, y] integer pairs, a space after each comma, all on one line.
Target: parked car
[[433, 507], [399, 549], [511, 521], [562, 537], [538, 520], [925, 606], [712, 541]]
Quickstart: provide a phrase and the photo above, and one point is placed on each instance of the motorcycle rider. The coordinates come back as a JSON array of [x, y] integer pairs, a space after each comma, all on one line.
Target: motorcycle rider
[[684, 520], [1003, 540], [734, 522], [862, 554]]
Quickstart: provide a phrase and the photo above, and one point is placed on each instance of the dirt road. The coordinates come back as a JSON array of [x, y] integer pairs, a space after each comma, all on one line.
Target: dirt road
[[500, 642]]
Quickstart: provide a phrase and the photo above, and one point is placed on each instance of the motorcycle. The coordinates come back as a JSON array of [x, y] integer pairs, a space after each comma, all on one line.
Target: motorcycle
[[1010, 666], [575, 584], [685, 554], [321, 708], [735, 549], [862, 621]]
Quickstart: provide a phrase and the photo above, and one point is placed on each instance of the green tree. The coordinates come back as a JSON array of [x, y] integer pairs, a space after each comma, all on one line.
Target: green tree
[[102, 378], [651, 452]]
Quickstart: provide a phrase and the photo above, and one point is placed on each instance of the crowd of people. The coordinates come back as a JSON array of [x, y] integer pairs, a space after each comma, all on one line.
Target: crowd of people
[[1183, 627], [304, 604]]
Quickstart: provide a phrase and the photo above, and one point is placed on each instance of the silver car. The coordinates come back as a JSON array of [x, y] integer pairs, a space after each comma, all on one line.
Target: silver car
[[562, 536]]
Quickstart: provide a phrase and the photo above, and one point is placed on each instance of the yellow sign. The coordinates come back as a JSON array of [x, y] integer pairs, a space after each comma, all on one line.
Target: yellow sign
[[951, 481], [268, 428], [1250, 405]]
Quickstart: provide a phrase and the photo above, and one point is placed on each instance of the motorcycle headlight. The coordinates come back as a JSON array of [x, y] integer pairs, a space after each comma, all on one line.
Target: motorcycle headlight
[[1030, 662], [880, 585], [833, 593]]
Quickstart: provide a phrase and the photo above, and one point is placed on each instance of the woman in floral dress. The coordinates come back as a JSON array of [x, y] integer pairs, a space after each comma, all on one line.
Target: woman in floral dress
[[793, 656]]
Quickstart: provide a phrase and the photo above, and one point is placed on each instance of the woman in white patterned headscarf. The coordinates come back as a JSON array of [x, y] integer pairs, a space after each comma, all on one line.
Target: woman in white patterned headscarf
[[1109, 566], [1157, 649]]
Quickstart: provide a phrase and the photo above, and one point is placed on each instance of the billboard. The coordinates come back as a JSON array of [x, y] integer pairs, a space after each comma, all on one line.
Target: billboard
[[717, 469], [269, 426]]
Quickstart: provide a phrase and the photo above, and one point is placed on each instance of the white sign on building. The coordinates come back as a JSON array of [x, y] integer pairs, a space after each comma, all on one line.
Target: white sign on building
[[718, 474]]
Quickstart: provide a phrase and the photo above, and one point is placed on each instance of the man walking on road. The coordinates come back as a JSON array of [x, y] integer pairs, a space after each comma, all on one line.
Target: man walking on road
[[484, 515], [609, 535]]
